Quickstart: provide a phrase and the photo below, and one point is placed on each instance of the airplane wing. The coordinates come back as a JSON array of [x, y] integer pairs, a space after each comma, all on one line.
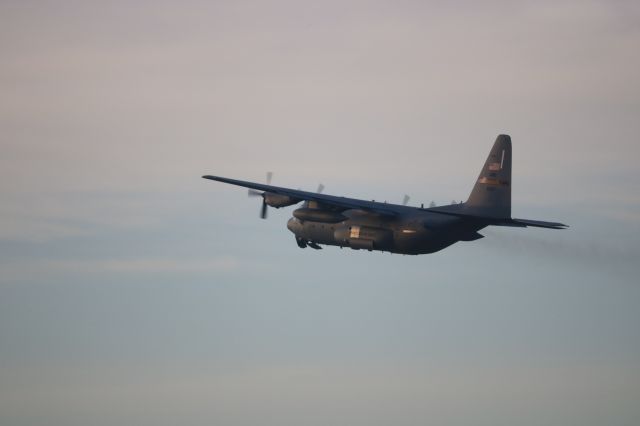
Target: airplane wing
[[342, 203], [385, 209]]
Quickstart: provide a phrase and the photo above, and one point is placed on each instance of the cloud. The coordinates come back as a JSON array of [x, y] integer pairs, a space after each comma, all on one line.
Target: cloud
[[321, 393], [46, 216], [252, 88], [41, 270], [217, 263]]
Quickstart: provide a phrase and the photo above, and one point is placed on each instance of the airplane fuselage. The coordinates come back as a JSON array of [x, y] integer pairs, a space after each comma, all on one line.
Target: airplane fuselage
[[415, 232]]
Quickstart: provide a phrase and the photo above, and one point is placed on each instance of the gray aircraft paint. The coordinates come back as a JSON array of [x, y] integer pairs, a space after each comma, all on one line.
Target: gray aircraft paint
[[360, 224], [491, 195]]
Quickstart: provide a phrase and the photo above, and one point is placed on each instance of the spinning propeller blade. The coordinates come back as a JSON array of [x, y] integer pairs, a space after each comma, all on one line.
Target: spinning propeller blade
[[263, 210], [254, 193]]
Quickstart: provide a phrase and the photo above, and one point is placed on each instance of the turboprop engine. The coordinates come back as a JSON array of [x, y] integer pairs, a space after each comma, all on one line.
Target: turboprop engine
[[273, 200], [277, 200]]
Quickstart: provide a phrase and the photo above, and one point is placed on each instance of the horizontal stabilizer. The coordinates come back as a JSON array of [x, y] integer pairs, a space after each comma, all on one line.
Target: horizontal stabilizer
[[523, 223], [459, 211], [540, 224]]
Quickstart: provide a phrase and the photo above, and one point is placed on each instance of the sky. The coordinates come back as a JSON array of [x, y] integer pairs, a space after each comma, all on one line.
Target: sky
[[133, 292]]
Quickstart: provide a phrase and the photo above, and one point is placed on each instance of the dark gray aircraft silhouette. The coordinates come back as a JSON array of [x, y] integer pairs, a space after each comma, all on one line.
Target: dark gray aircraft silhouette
[[370, 225]]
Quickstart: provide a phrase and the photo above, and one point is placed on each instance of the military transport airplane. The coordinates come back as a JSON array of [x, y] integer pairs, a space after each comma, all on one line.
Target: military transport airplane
[[360, 224]]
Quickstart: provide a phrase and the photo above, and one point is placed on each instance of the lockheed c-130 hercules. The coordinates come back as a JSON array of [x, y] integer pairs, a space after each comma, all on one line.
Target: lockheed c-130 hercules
[[398, 228]]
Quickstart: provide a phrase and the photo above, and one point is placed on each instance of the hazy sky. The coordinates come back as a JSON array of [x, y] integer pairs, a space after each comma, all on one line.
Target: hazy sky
[[133, 292]]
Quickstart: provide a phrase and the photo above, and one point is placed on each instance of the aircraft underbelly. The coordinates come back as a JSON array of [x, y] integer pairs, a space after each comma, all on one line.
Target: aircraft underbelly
[[361, 236], [321, 233]]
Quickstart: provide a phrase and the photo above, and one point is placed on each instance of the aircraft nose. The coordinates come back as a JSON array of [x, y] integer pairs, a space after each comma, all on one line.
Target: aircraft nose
[[293, 225]]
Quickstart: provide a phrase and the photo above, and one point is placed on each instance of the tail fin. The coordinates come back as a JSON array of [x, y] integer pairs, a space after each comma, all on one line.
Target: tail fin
[[491, 195]]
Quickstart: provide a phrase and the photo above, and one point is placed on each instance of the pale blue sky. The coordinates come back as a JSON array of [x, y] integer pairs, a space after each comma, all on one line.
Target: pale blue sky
[[134, 292]]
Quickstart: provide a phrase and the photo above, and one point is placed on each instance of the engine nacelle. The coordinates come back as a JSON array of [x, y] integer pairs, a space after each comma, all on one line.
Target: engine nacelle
[[277, 200], [318, 215]]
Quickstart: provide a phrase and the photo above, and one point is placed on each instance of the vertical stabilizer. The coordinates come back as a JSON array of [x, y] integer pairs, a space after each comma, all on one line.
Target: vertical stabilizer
[[491, 195]]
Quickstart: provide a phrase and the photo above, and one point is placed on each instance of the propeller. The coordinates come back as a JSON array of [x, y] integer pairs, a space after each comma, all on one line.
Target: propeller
[[279, 203], [405, 200], [263, 210], [254, 193]]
